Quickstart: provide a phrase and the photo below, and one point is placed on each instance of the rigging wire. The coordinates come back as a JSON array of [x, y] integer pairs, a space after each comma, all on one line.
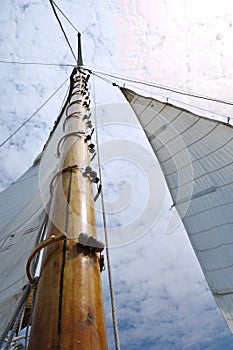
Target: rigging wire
[[187, 104], [112, 296], [162, 87], [39, 63], [63, 31], [65, 17], [19, 306], [171, 99], [28, 119]]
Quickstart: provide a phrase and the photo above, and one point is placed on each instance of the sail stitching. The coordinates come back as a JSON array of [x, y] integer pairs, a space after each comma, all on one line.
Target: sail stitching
[[202, 157], [189, 145]]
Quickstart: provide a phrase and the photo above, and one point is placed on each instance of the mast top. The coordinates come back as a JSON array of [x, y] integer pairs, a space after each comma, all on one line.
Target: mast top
[[80, 58]]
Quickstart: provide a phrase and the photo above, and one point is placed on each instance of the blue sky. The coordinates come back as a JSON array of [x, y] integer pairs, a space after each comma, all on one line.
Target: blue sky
[[162, 299]]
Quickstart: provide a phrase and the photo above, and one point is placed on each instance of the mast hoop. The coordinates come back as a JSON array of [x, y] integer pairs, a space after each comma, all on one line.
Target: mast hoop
[[97, 247], [37, 249], [67, 111], [60, 172], [79, 91], [76, 102], [73, 133], [72, 115]]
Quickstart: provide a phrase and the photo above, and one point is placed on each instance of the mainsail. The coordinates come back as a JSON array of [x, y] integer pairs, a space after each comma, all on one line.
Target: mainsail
[[22, 213], [196, 156]]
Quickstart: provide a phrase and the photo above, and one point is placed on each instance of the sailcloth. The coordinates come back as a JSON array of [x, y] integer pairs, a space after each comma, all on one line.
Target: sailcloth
[[23, 207], [196, 157]]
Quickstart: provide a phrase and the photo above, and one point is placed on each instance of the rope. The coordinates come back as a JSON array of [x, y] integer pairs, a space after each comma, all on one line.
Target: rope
[[162, 87], [28, 119], [39, 63], [170, 99], [41, 235], [16, 325], [112, 296], [20, 337], [30, 318], [18, 347], [63, 31], [41, 245], [19, 308]]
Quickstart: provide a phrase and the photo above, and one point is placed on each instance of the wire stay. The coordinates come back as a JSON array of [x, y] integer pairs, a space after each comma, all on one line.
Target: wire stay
[[60, 24], [108, 81], [28, 119], [38, 63], [162, 87], [65, 17]]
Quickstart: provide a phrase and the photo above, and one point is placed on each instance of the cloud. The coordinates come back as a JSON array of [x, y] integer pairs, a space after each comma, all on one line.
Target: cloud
[[162, 299]]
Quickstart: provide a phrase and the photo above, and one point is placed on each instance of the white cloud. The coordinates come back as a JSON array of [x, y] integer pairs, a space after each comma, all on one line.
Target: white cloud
[[161, 296]]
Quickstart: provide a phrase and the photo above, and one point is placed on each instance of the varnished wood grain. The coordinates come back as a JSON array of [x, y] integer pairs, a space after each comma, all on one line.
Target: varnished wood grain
[[68, 312]]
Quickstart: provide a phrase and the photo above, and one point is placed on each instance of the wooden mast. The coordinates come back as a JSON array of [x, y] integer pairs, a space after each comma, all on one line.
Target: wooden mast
[[68, 311]]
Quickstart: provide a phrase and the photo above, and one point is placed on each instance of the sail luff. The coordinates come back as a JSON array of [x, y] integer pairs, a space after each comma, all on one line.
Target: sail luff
[[68, 311]]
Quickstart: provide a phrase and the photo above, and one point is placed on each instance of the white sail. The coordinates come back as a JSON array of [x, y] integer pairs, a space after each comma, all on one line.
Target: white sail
[[20, 213], [196, 156], [22, 208]]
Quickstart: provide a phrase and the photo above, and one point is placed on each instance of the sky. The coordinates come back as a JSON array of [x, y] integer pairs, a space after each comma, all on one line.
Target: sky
[[162, 299]]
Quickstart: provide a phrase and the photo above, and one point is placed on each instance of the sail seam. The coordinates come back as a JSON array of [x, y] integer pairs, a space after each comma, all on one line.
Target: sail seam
[[202, 157], [208, 210], [187, 145]]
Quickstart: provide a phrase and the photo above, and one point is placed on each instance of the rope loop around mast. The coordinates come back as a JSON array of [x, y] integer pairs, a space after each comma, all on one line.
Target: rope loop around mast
[[60, 172], [74, 133]]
